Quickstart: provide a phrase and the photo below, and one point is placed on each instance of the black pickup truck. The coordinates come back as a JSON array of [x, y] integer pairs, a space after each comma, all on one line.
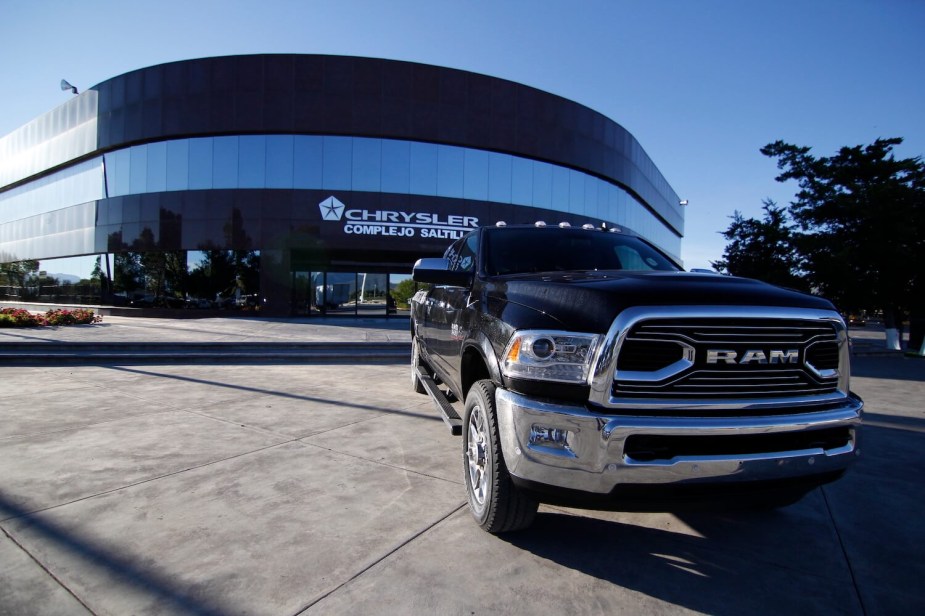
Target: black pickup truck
[[595, 372]]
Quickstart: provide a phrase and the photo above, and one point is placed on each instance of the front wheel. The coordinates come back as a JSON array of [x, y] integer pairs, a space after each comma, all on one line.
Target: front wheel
[[495, 502]]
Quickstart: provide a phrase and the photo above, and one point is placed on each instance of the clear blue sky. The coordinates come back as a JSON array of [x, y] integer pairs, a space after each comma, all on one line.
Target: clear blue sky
[[701, 84]]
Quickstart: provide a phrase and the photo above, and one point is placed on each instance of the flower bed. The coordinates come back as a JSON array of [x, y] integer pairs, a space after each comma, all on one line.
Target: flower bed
[[17, 317]]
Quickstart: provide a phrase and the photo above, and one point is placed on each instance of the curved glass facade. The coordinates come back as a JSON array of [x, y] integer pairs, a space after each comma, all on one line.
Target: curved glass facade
[[336, 163], [307, 181]]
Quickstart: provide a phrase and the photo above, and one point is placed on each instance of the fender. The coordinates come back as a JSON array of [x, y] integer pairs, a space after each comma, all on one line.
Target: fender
[[480, 343]]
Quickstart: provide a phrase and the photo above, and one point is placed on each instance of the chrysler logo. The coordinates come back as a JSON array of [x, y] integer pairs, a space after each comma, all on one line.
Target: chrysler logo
[[716, 356], [331, 209]]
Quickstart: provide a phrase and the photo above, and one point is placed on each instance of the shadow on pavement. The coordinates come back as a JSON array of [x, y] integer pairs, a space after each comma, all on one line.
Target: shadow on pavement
[[765, 562], [126, 569], [696, 573], [272, 392]]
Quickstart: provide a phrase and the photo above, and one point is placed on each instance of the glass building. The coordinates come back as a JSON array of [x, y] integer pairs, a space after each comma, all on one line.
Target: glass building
[[302, 184]]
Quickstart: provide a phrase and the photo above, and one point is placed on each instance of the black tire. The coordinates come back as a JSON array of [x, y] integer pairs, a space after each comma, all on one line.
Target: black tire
[[416, 383], [494, 501]]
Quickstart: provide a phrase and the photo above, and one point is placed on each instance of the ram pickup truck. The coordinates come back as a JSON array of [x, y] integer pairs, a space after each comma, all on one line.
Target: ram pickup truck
[[595, 372]]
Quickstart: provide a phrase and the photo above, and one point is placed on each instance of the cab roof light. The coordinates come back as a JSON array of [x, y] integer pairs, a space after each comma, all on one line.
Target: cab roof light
[[539, 223], [564, 225], [588, 226], [500, 223]]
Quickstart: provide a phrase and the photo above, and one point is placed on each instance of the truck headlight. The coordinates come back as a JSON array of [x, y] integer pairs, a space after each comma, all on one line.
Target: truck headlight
[[550, 356]]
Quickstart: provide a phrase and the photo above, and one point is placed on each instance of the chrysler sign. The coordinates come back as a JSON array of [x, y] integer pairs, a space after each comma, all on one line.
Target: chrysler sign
[[396, 223]]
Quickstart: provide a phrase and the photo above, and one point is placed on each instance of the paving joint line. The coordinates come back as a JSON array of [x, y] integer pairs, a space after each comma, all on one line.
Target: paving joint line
[[382, 558], [48, 571], [844, 551], [150, 479], [379, 462]]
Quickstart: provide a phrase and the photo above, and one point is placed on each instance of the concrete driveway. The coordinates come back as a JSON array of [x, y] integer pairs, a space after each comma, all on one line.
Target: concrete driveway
[[333, 489]]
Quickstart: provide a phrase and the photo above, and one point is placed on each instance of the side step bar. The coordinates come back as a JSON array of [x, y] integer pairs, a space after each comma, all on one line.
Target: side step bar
[[450, 417]]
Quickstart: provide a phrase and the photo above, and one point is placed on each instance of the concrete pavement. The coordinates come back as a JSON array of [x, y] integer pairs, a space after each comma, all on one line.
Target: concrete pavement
[[291, 488]]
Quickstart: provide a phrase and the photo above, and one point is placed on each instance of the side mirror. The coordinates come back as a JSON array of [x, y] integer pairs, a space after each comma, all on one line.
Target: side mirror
[[437, 271]]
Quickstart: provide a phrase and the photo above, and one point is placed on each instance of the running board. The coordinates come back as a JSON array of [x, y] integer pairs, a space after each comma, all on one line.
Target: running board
[[447, 412]]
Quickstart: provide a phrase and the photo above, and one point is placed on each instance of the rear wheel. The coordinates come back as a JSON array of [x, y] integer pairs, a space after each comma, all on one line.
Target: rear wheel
[[495, 502], [416, 383]]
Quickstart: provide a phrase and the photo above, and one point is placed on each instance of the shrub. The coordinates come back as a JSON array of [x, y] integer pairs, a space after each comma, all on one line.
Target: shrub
[[78, 316], [17, 317]]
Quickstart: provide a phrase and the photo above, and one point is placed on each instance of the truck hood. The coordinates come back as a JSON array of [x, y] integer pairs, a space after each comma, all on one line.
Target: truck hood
[[590, 301]]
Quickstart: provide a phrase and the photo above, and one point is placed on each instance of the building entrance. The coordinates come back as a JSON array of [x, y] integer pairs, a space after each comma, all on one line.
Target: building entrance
[[357, 294]]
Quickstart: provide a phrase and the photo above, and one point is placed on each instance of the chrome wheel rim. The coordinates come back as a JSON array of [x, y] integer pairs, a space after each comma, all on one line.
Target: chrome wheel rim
[[476, 455]]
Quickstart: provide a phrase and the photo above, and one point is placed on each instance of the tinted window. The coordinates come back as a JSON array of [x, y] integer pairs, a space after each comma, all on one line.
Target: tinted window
[[514, 251], [462, 253]]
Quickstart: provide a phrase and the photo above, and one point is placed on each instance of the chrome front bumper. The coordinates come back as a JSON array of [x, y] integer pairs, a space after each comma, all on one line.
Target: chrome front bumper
[[570, 447]]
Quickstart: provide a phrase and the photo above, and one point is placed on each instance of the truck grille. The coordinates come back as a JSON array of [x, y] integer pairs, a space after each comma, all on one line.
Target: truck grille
[[727, 359]]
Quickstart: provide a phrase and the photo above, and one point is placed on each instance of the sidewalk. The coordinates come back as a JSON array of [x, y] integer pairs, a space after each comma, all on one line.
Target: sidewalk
[[115, 329], [248, 340], [281, 489]]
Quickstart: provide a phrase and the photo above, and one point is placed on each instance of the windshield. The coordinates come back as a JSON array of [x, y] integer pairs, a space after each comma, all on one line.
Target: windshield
[[551, 249]]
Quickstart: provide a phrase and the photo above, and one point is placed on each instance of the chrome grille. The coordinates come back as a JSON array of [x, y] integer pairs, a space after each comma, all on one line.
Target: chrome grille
[[652, 347]]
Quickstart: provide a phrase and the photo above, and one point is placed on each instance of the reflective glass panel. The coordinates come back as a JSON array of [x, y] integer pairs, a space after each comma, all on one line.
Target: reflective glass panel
[[339, 293], [157, 167], [542, 185], [560, 188], [401, 289], [475, 178], [200, 163], [396, 166], [279, 161], [252, 161], [337, 164], [225, 162], [423, 169], [123, 172], [576, 194], [522, 182], [591, 187], [178, 165], [450, 166], [302, 293], [138, 178], [367, 163], [372, 294], [499, 177], [307, 161]]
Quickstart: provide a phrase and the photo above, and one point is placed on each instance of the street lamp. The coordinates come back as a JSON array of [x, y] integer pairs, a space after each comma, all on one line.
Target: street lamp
[[66, 86]]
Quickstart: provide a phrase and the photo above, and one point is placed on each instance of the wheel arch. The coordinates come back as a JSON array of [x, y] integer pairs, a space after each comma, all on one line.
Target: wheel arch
[[478, 362]]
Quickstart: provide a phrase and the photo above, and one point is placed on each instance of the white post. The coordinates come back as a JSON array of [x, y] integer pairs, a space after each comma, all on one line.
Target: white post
[[893, 342]]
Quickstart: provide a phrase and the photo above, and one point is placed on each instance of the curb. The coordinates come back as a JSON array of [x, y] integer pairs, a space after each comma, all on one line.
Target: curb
[[57, 353]]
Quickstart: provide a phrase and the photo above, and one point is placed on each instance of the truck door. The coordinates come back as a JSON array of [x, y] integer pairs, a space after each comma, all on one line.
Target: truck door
[[456, 301], [443, 330]]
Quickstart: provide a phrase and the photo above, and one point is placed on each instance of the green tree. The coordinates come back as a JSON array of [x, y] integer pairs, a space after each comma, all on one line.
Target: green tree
[[763, 249], [223, 271], [403, 291], [128, 273], [861, 214], [16, 273]]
